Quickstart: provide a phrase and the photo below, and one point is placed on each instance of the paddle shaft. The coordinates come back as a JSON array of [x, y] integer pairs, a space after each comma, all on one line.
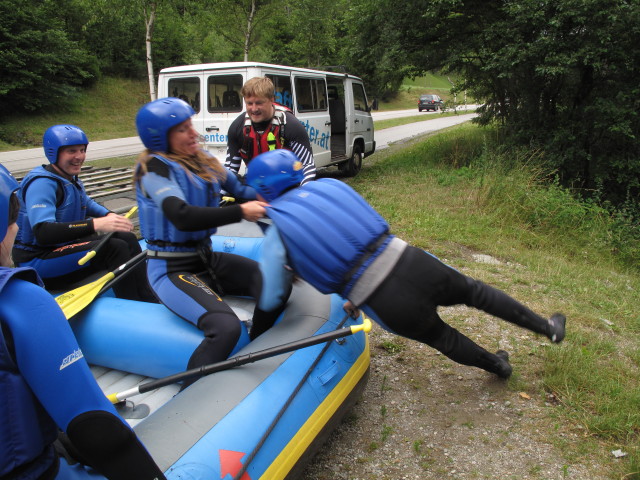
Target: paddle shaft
[[240, 360], [124, 270], [92, 253]]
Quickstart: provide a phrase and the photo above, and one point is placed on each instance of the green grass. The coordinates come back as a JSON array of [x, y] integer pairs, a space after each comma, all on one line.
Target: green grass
[[453, 194], [430, 80], [105, 111]]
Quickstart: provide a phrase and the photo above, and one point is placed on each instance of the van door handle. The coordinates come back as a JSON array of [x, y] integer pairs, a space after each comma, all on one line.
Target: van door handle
[[210, 129], [327, 123], [356, 121]]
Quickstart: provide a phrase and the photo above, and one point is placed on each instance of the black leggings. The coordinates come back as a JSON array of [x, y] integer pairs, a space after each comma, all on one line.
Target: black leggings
[[407, 301], [195, 292], [121, 247]]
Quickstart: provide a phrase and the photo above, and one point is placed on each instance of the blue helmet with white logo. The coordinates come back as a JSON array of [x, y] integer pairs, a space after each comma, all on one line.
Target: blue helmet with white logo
[[61, 136], [155, 119], [273, 172], [8, 185]]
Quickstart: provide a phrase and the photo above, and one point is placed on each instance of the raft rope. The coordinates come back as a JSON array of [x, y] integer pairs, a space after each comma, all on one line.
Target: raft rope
[[284, 408]]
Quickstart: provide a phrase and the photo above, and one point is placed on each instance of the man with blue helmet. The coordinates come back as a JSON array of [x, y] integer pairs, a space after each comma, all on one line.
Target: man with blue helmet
[[332, 238], [47, 385], [178, 190], [59, 223]]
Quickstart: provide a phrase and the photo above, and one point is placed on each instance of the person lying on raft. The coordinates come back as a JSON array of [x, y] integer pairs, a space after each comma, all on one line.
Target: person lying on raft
[[47, 384], [348, 250], [178, 189], [59, 223]]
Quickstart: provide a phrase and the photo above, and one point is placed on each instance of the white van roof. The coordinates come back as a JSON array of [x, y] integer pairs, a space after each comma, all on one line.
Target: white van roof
[[229, 65]]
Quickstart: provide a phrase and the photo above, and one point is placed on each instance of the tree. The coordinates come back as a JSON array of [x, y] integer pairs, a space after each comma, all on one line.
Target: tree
[[559, 75], [372, 48], [40, 66], [149, 9], [240, 24]]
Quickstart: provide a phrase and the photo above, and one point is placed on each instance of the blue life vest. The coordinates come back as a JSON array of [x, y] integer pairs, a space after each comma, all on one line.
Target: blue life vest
[[330, 232], [27, 432], [156, 229], [72, 209]]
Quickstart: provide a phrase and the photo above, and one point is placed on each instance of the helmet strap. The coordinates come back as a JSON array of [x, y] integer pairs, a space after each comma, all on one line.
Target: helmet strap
[[61, 171]]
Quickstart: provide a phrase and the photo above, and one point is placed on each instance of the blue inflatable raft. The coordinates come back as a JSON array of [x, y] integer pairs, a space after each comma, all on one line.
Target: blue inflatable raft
[[261, 420]]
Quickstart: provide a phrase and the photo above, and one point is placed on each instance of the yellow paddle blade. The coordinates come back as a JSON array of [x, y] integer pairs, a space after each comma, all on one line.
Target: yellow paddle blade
[[75, 300]]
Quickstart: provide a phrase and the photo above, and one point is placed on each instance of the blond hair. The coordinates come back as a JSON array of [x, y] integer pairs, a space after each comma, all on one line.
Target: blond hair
[[258, 87], [202, 164]]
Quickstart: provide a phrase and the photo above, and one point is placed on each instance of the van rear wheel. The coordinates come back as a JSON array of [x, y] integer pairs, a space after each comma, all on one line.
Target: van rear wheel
[[352, 166]]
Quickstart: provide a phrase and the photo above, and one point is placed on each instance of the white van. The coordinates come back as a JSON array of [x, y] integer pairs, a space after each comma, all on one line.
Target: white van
[[332, 106]]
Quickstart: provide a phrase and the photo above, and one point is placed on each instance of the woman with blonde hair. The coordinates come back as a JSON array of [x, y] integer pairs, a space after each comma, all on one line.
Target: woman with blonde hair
[[178, 191]]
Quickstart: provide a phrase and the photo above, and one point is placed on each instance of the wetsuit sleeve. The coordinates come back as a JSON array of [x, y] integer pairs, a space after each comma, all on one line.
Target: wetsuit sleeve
[[40, 204], [276, 275], [51, 362], [297, 140], [234, 144], [94, 209], [237, 189], [188, 218]]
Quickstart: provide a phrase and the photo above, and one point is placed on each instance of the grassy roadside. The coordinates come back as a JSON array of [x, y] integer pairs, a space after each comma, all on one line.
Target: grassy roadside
[[451, 195]]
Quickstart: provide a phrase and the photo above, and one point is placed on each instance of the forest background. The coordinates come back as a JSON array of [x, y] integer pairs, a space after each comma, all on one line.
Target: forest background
[[560, 77]]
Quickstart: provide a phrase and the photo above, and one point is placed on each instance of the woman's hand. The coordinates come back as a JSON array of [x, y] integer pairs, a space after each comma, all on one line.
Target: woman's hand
[[253, 211], [112, 222]]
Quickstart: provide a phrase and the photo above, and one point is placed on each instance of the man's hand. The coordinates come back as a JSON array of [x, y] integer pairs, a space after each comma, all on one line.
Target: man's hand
[[112, 222]]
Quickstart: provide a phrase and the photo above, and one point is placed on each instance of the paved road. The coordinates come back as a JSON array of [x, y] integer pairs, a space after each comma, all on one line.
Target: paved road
[[119, 147], [403, 132]]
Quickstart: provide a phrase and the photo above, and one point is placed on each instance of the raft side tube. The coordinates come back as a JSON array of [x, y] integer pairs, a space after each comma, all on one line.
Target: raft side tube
[[143, 338]]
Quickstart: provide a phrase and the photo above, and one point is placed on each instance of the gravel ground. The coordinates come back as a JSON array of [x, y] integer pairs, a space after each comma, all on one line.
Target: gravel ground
[[423, 416]]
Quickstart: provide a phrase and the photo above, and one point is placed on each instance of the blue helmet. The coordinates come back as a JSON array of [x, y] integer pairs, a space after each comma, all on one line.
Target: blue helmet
[[61, 136], [8, 185], [273, 172], [155, 119]]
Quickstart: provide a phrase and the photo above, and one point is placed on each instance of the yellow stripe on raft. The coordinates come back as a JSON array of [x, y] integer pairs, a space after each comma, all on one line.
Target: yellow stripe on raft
[[296, 447]]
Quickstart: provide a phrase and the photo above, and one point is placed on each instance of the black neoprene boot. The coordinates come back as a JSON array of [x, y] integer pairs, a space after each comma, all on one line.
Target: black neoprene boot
[[497, 363], [504, 368], [557, 324]]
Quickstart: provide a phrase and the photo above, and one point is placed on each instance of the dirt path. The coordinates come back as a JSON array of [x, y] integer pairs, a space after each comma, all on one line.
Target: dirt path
[[425, 417]]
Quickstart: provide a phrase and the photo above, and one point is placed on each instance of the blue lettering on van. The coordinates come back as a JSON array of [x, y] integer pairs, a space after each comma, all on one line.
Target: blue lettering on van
[[284, 98], [215, 138], [316, 137]]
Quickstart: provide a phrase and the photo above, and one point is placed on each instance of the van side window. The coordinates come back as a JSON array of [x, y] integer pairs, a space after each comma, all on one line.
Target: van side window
[[359, 98], [311, 94], [283, 93], [187, 89], [223, 93]]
